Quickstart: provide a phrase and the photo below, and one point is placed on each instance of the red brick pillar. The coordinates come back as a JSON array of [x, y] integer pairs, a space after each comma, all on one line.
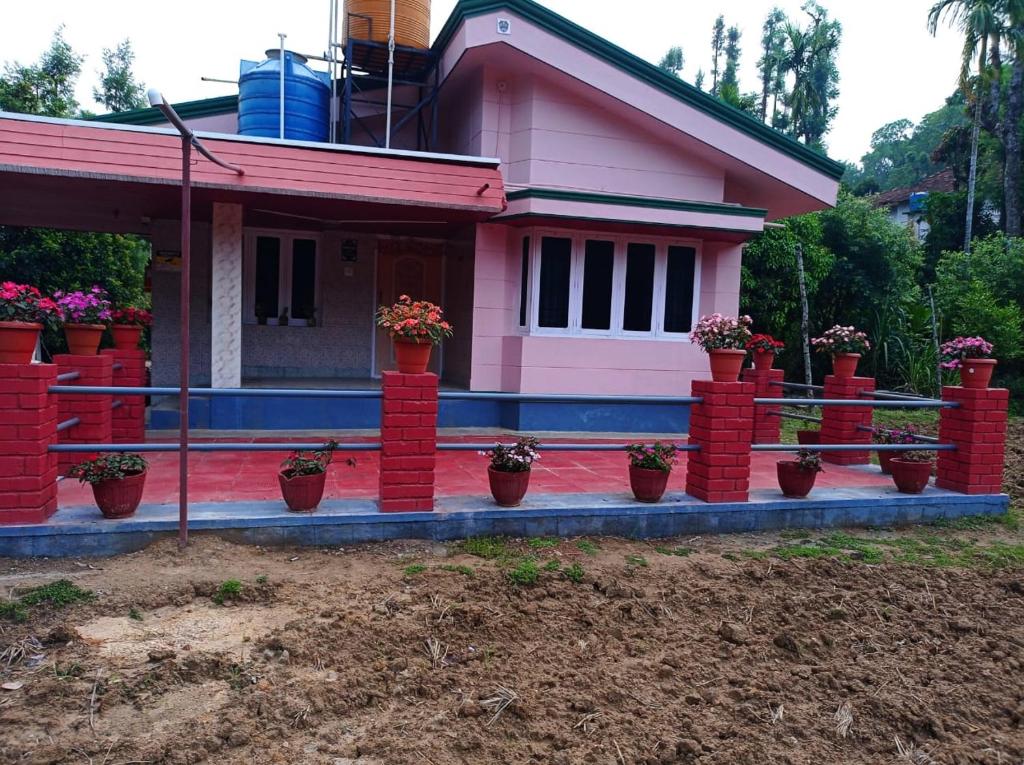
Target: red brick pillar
[[767, 427], [93, 411], [723, 426], [129, 419], [841, 424], [408, 441], [28, 426], [978, 429]]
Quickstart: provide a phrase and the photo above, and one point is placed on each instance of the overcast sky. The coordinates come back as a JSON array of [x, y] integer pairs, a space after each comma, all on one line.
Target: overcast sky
[[890, 66]]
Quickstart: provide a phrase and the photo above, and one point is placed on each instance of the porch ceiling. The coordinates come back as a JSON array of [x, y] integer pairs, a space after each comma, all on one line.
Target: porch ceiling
[[68, 174]]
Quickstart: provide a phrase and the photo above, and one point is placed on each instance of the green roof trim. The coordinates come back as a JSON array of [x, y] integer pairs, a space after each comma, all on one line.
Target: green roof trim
[[204, 107], [628, 201], [644, 71]]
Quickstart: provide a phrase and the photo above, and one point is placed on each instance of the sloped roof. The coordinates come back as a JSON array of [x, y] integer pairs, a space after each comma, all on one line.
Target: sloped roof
[[943, 181]]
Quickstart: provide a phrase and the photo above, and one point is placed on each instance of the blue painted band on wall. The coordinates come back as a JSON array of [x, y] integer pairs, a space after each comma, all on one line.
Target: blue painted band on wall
[[273, 413]]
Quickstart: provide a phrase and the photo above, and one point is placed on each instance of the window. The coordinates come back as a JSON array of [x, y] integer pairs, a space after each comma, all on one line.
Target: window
[[679, 273], [281, 272], [639, 296], [598, 275], [553, 297], [607, 286]]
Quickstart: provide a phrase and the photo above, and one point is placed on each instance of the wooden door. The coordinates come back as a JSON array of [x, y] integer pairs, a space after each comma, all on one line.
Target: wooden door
[[407, 267]]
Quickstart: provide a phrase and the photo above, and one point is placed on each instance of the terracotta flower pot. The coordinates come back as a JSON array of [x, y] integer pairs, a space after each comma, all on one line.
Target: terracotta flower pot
[[119, 497], [845, 364], [83, 339], [910, 477], [726, 364], [885, 462], [808, 436], [648, 485], [411, 356], [18, 341], [976, 373], [508, 489], [126, 336], [794, 480], [764, 359], [302, 493]]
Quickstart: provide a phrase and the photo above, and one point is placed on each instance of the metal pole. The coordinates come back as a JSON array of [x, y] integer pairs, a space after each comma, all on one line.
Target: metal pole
[[391, 75], [186, 300], [281, 37], [804, 319], [935, 344]]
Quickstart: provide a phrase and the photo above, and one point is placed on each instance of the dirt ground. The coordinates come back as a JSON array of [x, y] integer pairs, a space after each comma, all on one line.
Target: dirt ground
[[888, 646]]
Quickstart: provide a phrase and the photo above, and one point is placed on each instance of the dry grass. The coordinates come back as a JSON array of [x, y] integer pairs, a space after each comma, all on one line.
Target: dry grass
[[502, 699]]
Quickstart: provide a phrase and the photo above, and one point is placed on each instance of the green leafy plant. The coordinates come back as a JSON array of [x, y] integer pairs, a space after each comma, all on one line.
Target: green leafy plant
[[488, 548], [60, 593], [414, 569], [543, 543], [261, 579], [459, 569], [552, 565], [311, 462], [657, 456], [587, 547], [809, 461], [134, 614], [517, 458], [574, 573], [637, 561], [230, 589], [525, 573], [679, 552], [109, 467]]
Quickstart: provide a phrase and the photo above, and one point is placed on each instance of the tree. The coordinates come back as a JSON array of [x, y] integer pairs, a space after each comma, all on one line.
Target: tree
[[698, 81], [1013, 122], [717, 46], [979, 21], [47, 87], [118, 89], [730, 76], [673, 60], [771, 56]]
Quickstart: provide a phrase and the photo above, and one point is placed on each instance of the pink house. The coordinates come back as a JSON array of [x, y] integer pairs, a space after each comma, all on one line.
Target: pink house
[[577, 211]]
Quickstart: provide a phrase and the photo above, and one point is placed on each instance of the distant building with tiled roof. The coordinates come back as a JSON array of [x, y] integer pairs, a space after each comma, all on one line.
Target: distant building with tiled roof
[[906, 204]]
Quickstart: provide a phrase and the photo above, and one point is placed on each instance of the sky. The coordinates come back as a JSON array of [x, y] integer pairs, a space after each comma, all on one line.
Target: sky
[[890, 66]]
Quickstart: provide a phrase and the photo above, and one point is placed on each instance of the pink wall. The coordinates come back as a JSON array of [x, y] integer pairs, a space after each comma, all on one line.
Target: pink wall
[[505, 360]]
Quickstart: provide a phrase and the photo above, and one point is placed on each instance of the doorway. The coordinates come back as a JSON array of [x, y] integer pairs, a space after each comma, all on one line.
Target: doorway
[[410, 267]]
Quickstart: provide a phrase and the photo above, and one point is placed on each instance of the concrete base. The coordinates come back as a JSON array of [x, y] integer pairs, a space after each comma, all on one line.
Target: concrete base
[[82, 532]]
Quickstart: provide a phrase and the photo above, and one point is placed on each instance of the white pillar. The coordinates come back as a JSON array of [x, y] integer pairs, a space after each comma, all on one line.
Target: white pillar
[[226, 297]]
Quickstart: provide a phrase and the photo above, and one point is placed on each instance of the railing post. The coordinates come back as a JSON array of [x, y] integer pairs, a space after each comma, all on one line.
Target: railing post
[[767, 427], [28, 426], [408, 442], [978, 429], [841, 424], [723, 426], [129, 419], [93, 412]]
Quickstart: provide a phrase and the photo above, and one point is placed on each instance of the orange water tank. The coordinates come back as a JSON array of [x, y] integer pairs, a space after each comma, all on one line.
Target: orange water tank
[[370, 20]]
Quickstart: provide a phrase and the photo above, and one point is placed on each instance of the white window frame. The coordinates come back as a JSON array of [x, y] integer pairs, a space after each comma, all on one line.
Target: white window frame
[[284, 276], [621, 242]]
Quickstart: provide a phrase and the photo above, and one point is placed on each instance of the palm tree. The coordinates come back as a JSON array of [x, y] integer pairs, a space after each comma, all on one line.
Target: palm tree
[[980, 21]]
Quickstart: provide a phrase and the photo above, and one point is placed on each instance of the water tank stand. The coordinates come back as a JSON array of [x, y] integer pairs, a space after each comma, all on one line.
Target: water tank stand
[[365, 75]]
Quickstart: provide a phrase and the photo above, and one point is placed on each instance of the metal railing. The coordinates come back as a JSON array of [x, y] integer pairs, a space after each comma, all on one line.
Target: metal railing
[[922, 404]]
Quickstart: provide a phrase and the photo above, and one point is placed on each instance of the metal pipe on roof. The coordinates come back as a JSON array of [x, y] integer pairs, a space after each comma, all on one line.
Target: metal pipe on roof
[[391, 75], [280, 37]]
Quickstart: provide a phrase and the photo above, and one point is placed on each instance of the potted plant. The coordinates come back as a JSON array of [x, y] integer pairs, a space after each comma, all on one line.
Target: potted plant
[[764, 348], [261, 313], [973, 357], [310, 316], [911, 471], [126, 325], [509, 471], [117, 481], [905, 435], [723, 338], [415, 326], [649, 469], [845, 345], [796, 477], [303, 476], [85, 315], [23, 313]]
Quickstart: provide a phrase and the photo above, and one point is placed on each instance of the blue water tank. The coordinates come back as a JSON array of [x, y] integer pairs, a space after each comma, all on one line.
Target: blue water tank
[[307, 98]]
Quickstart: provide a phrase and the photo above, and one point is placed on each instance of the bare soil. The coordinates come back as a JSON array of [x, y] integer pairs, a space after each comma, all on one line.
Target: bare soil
[[742, 649]]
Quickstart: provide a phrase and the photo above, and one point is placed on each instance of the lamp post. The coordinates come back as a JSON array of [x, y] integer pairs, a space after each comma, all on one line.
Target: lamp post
[[188, 140]]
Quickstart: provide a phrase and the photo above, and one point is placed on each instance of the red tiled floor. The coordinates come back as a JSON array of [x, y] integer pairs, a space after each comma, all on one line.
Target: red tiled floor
[[236, 476]]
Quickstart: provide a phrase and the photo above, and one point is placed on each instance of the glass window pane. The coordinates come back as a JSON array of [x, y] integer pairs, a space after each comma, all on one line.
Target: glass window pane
[[303, 278], [679, 289], [268, 273], [523, 279], [555, 264], [636, 314], [598, 269]]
